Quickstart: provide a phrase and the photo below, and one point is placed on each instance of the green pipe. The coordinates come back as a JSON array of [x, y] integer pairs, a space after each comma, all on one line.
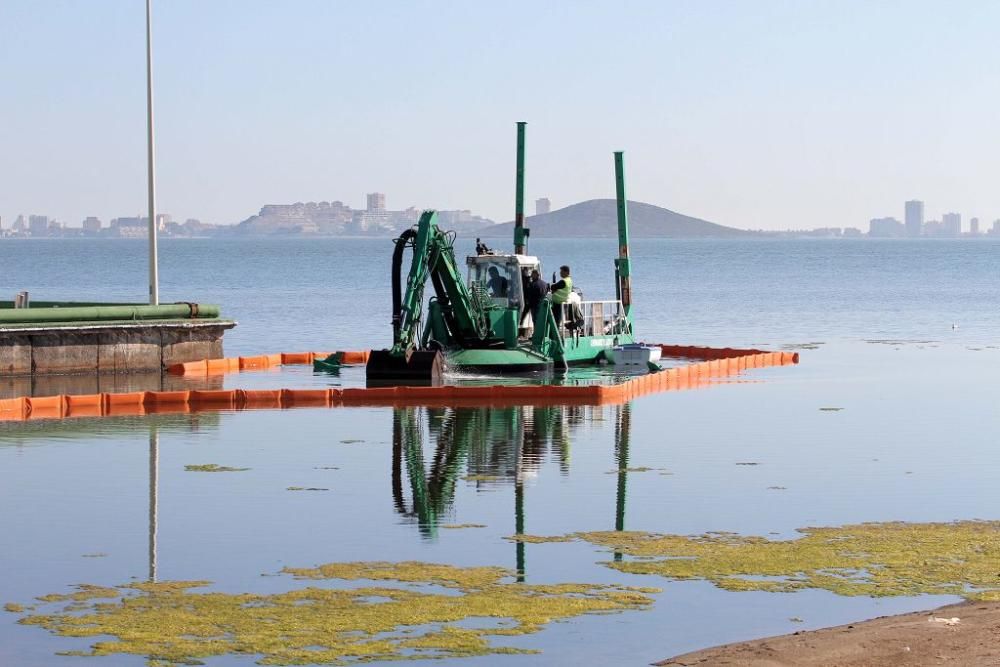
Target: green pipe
[[108, 313], [623, 268], [520, 233]]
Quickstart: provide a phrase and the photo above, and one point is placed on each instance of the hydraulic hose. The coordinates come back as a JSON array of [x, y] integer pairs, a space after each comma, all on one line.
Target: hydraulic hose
[[397, 285]]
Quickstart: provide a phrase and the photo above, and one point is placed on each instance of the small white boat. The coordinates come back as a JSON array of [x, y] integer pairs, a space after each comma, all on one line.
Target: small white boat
[[635, 354]]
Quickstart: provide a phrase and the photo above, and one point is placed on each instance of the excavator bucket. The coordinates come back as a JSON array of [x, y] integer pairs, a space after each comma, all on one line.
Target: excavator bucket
[[419, 366]]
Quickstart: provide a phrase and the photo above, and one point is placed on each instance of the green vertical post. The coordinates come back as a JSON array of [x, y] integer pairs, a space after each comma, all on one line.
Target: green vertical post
[[623, 267], [520, 233]]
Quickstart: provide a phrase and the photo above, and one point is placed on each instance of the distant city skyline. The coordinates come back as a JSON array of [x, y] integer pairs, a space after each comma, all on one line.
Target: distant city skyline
[[746, 114], [915, 225]]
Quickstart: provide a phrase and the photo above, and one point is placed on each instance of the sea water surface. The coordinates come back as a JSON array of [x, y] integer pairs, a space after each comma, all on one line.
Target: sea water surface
[[901, 336]]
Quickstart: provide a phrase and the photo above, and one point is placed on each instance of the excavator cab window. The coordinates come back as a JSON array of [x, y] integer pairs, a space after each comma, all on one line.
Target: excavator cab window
[[501, 280]]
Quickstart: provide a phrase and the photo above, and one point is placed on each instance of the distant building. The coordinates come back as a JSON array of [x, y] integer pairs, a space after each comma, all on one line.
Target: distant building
[[933, 228], [974, 227], [542, 206], [130, 228], [885, 228], [38, 225], [852, 233], [92, 225], [995, 230], [951, 225], [162, 220], [20, 225], [376, 202], [914, 218]]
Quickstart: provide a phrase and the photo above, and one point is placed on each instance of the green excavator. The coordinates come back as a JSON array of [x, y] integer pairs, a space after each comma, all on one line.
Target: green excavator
[[477, 324], [466, 325]]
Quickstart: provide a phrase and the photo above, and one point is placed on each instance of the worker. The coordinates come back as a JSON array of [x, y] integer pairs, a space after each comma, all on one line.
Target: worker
[[481, 248], [497, 284], [534, 292], [560, 293]]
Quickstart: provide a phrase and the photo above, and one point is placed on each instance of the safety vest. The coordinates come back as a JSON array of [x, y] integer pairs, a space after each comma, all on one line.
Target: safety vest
[[560, 295]]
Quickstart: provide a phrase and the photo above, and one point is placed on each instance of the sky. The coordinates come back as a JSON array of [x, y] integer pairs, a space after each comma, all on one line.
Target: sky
[[764, 115]]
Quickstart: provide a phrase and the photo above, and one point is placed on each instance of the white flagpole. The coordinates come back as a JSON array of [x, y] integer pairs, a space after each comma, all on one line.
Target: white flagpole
[[154, 278]]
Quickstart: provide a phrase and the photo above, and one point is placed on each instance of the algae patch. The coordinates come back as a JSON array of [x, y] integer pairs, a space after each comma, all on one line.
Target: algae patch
[[13, 607], [457, 526], [306, 488], [540, 539], [169, 623], [873, 559], [212, 467], [482, 478]]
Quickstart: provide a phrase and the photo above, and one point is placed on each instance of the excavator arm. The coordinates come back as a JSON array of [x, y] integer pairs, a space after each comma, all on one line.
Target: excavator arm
[[464, 315]]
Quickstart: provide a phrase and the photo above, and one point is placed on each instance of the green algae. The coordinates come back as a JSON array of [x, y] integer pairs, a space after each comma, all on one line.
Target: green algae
[[638, 469], [83, 593], [170, 624], [812, 345], [872, 559], [457, 526], [540, 539], [212, 467], [306, 488], [830, 409], [482, 478]]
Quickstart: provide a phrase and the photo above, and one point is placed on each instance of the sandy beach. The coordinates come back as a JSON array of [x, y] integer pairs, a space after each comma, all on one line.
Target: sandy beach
[[917, 639]]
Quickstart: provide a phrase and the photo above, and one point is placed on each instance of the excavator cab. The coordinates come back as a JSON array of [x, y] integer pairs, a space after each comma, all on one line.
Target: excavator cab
[[502, 278]]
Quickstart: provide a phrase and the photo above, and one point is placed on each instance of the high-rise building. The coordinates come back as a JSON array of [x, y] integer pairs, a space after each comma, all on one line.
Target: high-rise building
[[914, 218], [376, 202], [951, 224], [974, 227], [542, 206], [91, 225], [19, 224], [38, 225]]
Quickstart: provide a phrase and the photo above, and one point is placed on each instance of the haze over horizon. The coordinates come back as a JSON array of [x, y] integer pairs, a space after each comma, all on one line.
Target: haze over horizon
[[760, 115]]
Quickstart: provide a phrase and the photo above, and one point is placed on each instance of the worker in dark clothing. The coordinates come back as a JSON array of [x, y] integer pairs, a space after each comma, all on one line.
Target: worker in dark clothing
[[534, 292], [560, 293]]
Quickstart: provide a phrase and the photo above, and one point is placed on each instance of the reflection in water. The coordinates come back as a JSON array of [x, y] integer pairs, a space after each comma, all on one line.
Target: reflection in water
[[490, 446], [154, 459], [82, 430], [97, 383], [623, 430], [168, 621]]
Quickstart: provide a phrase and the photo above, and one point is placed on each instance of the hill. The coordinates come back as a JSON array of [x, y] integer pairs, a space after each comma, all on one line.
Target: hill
[[598, 218]]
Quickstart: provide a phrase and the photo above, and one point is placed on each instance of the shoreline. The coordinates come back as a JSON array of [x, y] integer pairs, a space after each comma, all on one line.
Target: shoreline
[[904, 639]]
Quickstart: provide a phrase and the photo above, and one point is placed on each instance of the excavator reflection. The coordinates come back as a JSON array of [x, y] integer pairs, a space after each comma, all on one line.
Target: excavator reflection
[[491, 446]]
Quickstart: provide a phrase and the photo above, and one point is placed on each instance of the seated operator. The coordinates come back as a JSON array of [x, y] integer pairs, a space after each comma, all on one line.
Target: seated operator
[[497, 284]]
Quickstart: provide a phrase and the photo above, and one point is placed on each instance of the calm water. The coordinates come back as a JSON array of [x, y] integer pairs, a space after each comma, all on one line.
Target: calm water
[[915, 440], [300, 294]]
